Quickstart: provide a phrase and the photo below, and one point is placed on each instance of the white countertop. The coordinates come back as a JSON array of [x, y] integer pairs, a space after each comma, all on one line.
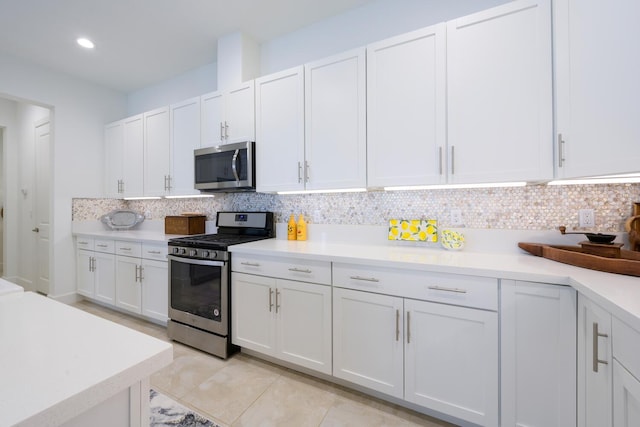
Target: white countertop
[[617, 293], [56, 361]]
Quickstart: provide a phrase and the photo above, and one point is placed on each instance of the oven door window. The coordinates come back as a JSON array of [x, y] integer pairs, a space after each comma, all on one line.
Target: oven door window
[[197, 289]]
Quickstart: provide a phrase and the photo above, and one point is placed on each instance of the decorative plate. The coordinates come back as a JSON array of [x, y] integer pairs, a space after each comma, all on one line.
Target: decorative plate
[[413, 230], [122, 219]]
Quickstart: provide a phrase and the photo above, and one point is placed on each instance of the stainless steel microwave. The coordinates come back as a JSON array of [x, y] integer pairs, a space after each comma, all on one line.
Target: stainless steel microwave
[[225, 168]]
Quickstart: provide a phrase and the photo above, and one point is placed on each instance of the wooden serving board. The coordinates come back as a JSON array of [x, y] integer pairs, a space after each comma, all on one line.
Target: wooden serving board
[[627, 263]]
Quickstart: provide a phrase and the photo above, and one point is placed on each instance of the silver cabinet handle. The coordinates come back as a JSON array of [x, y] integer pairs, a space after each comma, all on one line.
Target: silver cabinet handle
[[306, 171], [596, 335], [250, 264], [102, 245], [221, 131], [408, 327], [453, 157], [440, 160], [364, 279], [299, 172], [440, 288], [270, 299], [125, 249], [300, 270], [560, 150], [397, 325], [226, 130], [141, 274], [154, 252], [137, 277], [277, 300], [92, 266]]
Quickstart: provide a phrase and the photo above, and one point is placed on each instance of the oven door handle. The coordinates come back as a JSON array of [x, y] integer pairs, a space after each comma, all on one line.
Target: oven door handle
[[196, 261]]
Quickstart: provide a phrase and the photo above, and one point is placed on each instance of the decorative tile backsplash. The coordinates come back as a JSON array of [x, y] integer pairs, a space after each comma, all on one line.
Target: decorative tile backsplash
[[517, 208]]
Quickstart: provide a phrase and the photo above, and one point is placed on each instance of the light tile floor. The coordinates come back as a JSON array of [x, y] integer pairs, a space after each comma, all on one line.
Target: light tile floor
[[246, 391]]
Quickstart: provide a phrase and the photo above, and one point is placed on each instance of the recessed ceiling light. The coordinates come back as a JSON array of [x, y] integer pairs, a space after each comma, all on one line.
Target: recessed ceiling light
[[86, 43]]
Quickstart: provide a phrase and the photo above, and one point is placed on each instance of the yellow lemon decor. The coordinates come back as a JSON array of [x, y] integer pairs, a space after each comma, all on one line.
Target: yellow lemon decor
[[413, 230], [452, 240]]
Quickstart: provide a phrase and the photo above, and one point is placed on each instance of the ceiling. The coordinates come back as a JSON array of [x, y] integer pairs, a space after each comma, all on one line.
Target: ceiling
[[143, 42]]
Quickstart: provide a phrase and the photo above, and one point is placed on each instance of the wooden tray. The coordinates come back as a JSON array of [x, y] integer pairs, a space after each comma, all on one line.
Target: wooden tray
[[611, 258]]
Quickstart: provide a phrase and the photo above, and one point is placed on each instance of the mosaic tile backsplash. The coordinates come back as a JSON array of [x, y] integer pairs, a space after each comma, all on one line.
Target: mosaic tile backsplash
[[520, 208]]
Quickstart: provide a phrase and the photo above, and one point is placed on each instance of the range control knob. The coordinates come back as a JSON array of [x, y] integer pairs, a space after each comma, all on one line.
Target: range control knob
[[183, 251], [193, 252], [205, 254]]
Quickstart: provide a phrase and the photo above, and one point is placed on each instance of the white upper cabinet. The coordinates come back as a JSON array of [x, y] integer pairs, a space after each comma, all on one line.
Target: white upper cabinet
[[228, 116], [406, 109], [157, 152], [113, 154], [280, 131], [335, 122], [185, 137], [132, 158], [499, 87], [597, 87]]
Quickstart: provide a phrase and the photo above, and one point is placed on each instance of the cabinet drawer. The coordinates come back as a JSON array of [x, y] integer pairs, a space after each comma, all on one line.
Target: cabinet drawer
[[626, 346], [106, 246], [84, 243], [156, 252], [283, 268], [468, 291], [133, 249]]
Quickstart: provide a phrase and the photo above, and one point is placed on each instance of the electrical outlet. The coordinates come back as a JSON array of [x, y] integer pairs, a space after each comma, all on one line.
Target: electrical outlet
[[456, 217], [587, 218]]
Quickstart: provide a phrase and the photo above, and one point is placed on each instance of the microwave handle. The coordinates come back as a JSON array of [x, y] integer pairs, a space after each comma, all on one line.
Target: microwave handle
[[234, 165]]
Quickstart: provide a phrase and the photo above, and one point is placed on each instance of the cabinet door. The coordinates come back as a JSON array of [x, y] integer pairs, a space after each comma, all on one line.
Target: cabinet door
[[594, 379], [253, 311], [304, 324], [211, 119], [133, 157], [280, 131], [335, 122], [185, 137], [114, 155], [597, 86], [128, 289], [155, 289], [406, 109], [626, 397], [368, 338], [84, 273], [500, 94], [240, 121], [157, 150], [105, 277], [451, 360], [538, 354]]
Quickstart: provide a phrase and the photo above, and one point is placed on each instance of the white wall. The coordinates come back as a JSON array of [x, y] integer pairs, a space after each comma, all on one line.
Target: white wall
[[80, 110], [10, 186]]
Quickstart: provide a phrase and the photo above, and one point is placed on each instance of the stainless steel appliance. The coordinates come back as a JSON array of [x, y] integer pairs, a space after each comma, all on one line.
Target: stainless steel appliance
[[225, 168], [200, 280]]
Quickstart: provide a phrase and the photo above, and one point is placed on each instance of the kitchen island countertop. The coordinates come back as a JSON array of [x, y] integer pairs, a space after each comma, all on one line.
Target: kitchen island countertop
[[57, 362]]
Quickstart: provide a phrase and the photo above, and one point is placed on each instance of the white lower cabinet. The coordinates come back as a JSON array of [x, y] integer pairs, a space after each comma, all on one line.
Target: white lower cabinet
[[538, 354], [440, 356], [285, 319], [130, 275], [368, 340], [282, 318], [626, 374], [95, 269], [142, 282], [595, 376]]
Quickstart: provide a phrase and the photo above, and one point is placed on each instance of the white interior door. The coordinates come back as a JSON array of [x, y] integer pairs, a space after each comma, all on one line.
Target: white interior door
[[42, 198]]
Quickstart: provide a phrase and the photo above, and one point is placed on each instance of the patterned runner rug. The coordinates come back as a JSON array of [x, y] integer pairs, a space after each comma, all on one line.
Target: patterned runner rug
[[167, 412]]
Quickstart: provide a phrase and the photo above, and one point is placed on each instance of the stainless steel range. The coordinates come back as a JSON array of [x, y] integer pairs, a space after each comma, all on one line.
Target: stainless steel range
[[200, 277]]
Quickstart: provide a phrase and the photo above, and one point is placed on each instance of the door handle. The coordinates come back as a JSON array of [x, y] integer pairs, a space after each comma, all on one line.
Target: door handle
[[36, 230]]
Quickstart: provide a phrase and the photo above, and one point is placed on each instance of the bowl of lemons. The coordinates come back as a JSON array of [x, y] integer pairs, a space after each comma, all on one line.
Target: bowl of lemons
[[452, 240]]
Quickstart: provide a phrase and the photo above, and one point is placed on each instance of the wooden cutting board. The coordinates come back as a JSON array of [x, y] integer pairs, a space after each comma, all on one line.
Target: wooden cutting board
[[627, 263]]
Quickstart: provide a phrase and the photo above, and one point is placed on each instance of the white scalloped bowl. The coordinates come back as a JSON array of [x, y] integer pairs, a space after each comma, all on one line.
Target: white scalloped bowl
[[452, 240]]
